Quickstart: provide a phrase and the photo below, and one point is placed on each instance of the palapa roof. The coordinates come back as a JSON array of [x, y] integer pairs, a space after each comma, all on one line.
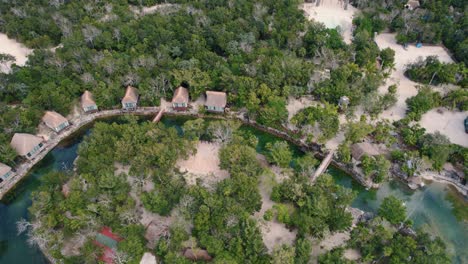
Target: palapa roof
[[197, 254], [24, 143], [217, 99], [4, 169], [413, 4], [181, 95], [131, 95], [148, 258], [363, 148], [53, 118], [87, 99]]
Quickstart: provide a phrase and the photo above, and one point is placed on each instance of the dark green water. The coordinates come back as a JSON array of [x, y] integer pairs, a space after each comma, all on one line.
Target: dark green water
[[427, 208]]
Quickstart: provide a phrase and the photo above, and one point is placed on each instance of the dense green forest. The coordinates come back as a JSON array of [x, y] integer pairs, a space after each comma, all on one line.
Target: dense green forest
[[433, 22], [260, 52], [117, 160]]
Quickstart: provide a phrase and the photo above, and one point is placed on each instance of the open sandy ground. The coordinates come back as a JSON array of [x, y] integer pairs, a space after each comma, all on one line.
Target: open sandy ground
[[295, 105], [448, 123], [203, 164], [14, 48], [332, 14], [406, 88]]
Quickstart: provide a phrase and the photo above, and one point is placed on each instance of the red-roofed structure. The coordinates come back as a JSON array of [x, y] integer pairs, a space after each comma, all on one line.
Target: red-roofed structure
[[108, 241]]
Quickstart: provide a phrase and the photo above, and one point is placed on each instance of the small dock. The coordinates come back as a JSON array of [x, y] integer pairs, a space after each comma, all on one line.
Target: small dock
[[323, 166], [159, 115]]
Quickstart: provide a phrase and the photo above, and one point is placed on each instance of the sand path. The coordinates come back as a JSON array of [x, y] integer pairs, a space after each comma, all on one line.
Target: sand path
[[448, 123], [332, 14], [406, 87]]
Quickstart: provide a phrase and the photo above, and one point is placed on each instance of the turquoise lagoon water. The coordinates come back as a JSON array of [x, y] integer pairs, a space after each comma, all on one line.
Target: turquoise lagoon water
[[428, 208]]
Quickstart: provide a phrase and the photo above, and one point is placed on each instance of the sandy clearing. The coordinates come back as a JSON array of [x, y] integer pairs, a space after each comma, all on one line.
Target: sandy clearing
[[448, 123], [14, 48], [295, 105], [332, 14], [205, 162], [352, 254], [406, 87], [147, 10], [275, 234]]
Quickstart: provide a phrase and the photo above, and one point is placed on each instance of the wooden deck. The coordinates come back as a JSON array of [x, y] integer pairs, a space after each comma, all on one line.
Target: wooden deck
[[323, 166]]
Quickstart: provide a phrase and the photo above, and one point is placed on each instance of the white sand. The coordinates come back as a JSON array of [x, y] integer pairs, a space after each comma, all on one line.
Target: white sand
[[14, 48], [448, 123], [406, 87], [295, 105], [204, 163], [352, 254], [275, 234], [332, 14], [147, 10]]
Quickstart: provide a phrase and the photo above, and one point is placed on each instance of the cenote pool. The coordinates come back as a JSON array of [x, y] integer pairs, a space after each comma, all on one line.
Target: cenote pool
[[428, 208]]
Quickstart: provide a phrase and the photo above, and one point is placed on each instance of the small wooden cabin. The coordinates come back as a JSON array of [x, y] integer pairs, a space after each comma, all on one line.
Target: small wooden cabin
[[55, 121], [215, 101], [5, 172], [27, 145], [130, 100], [180, 99], [87, 102]]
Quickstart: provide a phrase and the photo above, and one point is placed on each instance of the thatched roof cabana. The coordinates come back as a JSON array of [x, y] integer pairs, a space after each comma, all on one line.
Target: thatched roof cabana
[[181, 95], [364, 148], [216, 99], [87, 101], [25, 143], [197, 254], [54, 120], [131, 95]]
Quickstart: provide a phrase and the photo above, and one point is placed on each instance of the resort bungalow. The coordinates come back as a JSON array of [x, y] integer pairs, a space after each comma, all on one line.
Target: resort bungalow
[[87, 103], [215, 101], [5, 172], [412, 4], [130, 100], [55, 121], [358, 150], [27, 145], [180, 99]]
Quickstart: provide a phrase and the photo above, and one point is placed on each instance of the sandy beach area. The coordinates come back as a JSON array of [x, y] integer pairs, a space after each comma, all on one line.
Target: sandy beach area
[[333, 14], [14, 48], [203, 164]]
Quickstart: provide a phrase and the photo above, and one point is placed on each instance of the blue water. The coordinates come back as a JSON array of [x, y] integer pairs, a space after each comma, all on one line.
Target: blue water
[[427, 208]]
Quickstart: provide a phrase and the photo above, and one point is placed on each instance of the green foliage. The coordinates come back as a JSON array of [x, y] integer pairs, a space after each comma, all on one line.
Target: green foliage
[[393, 210], [314, 211], [376, 167], [457, 99], [425, 100], [326, 117], [437, 147], [344, 152], [432, 71], [303, 250], [334, 256], [376, 241], [356, 131], [279, 153]]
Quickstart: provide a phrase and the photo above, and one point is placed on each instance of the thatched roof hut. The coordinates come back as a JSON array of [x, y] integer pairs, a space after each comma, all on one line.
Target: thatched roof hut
[[87, 102], [26, 145], [130, 99], [5, 171], [55, 121], [364, 148], [148, 258], [197, 254], [215, 101]]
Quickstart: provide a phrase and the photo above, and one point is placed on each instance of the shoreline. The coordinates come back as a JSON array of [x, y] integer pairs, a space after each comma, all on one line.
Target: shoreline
[[22, 170]]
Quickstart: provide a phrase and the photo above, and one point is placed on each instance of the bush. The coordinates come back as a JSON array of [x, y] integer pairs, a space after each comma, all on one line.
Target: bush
[[424, 101]]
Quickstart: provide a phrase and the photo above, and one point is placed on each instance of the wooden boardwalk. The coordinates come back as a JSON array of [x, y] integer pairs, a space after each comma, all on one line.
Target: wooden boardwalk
[[23, 168], [323, 166]]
